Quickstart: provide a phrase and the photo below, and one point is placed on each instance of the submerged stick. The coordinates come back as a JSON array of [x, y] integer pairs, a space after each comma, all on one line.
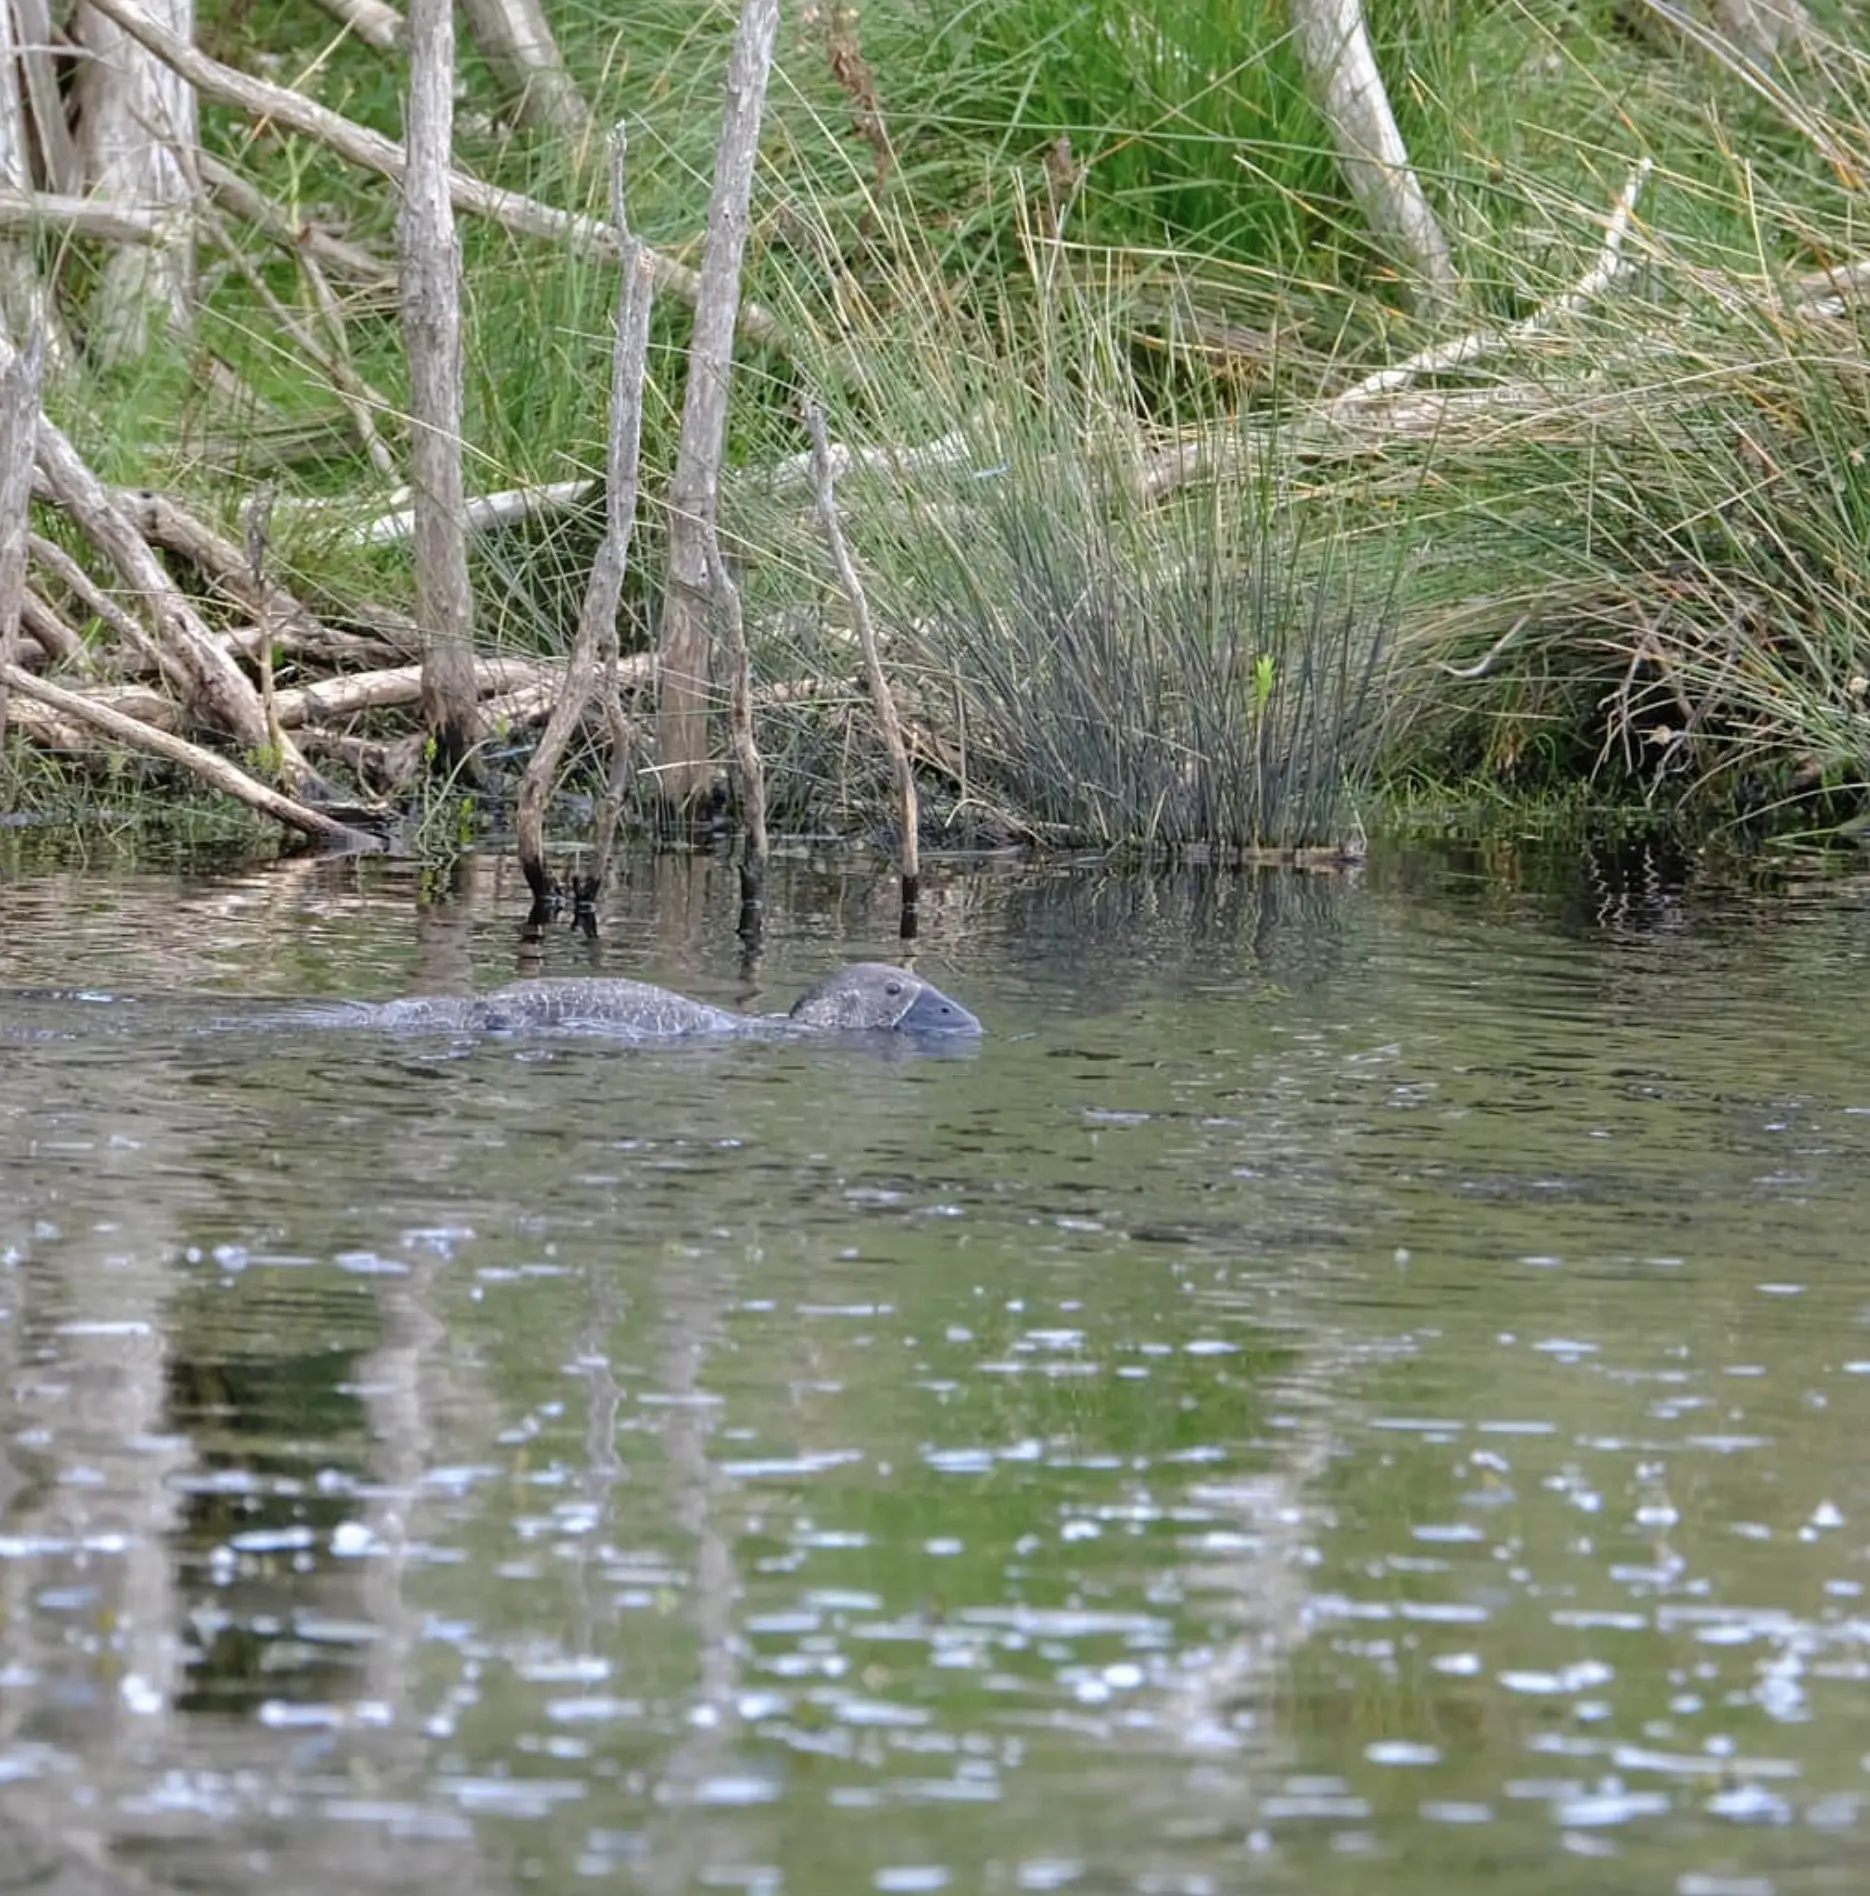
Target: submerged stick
[[887, 719], [749, 767]]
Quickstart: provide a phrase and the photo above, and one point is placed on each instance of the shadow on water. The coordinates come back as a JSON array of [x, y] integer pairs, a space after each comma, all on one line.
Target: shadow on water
[[1357, 1384]]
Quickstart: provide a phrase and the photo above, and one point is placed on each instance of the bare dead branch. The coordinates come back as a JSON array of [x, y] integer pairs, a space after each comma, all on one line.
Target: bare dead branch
[[1484, 342], [684, 641], [105, 219], [218, 772], [163, 521], [524, 216], [1334, 47], [517, 40], [349, 261], [361, 402], [20, 381], [888, 722], [372, 21], [333, 698], [594, 646], [484, 513], [429, 260]]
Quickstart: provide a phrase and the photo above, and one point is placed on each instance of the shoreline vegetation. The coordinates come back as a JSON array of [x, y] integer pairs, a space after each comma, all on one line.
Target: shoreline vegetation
[[1185, 429]]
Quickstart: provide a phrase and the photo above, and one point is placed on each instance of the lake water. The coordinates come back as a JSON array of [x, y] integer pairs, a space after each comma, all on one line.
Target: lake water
[[1356, 1386]]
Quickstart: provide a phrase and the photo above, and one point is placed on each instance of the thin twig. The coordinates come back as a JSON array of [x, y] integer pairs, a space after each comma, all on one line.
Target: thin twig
[[885, 705]]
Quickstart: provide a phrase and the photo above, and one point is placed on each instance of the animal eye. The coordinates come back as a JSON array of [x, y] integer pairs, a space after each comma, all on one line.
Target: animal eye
[[892, 987]]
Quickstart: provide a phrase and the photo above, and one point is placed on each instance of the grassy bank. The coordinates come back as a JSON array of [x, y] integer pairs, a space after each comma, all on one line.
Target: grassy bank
[[1086, 285]]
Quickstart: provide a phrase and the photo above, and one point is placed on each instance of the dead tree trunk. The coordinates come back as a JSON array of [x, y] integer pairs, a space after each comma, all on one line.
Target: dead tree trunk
[[18, 287], [889, 721], [138, 119], [683, 653], [430, 262], [1334, 48], [596, 640], [19, 424]]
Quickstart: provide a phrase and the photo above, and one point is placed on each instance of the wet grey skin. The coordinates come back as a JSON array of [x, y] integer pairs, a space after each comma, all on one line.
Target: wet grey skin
[[865, 997]]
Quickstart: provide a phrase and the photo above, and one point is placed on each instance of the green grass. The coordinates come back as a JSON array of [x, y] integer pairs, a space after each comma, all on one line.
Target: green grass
[[1658, 520]]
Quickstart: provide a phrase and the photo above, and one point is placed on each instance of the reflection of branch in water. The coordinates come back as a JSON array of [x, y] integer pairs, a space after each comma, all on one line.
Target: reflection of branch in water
[[603, 1466], [1224, 1701], [692, 1303], [93, 1498]]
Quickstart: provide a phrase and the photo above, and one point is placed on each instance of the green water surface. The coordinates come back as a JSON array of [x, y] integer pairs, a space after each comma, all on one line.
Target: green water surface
[[1356, 1386]]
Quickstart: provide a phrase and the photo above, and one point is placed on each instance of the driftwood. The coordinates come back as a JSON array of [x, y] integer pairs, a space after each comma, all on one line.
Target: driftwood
[[518, 43], [374, 23], [306, 242], [135, 734], [109, 222], [749, 767], [163, 521], [184, 642], [102, 607], [1334, 47], [484, 513], [361, 402], [59, 643], [345, 697], [136, 119], [1370, 415]]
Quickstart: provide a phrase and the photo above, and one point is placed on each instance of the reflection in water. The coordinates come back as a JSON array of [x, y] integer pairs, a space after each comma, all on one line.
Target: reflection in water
[[1355, 1385]]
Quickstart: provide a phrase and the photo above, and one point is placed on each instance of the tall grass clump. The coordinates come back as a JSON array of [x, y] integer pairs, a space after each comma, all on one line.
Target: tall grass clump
[[1085, 663], [1675, 570], [1651, 567]]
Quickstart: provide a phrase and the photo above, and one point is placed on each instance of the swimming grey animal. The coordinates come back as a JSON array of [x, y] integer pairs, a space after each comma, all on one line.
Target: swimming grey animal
[[865, 997]]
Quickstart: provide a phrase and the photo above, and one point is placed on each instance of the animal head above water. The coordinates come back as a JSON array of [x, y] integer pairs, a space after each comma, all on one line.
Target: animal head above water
[[873, 997]]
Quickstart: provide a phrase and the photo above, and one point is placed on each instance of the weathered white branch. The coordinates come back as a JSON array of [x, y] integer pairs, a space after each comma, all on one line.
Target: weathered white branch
[[594, 646], [517, 40], [209, 766], [184, 641], [524, 216], [39, 44], [888, 720], [431, 288], [374, 23], [350, 261], [107, 219], [19, 421], [1484, 342], [355, 692], [1334, 47], [684, 642], [482, 514], [137, 118]]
